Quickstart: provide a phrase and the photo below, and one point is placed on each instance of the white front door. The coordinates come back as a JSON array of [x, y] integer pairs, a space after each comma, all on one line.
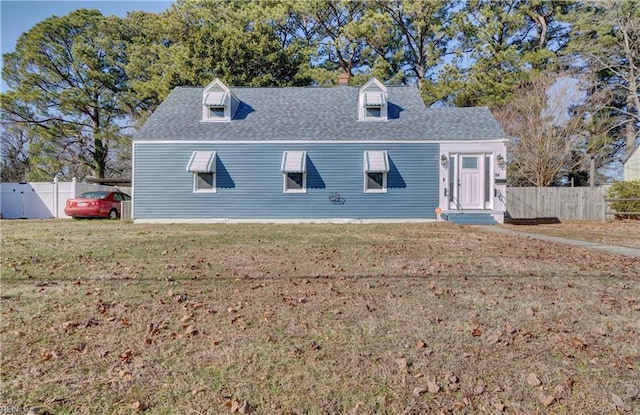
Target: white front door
[[470, 182]]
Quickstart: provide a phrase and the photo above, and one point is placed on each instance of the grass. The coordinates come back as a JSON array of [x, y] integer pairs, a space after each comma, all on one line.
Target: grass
[[111, 317], [618, 233]]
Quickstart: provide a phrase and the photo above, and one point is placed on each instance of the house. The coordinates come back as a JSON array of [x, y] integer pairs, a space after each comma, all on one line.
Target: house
[[632, 165], [369, 153]]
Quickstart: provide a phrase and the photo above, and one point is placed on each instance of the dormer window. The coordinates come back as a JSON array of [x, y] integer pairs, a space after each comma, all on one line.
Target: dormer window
[[373, 112], [372, 101], [216, 112], [218, 103]]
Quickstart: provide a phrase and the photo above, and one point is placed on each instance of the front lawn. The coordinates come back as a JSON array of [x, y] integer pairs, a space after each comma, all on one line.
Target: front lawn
[[112, 317]]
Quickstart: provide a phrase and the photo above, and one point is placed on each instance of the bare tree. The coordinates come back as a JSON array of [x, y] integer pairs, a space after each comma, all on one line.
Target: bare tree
[[547, 132]]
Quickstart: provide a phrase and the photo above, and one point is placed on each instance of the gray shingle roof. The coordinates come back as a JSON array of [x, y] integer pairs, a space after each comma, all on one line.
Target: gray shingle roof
[[315, 114]]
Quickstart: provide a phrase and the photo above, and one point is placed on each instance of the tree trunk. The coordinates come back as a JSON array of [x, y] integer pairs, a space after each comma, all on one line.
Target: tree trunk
[[630, 132]]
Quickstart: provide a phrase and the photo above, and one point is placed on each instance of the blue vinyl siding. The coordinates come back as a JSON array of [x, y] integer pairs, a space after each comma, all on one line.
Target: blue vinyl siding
[[249, 182]]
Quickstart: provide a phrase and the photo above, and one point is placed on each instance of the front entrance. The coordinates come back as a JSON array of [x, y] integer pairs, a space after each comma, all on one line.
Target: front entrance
[[469, 180]]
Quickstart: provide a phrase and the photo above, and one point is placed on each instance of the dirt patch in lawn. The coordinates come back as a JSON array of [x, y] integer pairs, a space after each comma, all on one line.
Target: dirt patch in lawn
[[617, 233], [110, 317]]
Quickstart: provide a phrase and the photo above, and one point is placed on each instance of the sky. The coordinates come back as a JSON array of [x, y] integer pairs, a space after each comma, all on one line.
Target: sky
[[18, 16]]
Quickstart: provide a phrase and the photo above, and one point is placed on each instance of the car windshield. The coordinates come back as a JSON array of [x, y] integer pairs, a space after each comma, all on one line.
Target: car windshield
[[94, 195]]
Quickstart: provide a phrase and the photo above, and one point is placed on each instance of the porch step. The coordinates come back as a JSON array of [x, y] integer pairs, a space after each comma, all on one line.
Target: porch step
[[471, 219]]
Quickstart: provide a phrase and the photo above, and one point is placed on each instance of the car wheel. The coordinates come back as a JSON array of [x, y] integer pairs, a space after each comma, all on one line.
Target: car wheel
[[113, 214]]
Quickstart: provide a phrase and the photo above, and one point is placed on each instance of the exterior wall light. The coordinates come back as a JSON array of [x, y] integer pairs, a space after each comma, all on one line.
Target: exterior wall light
[[501, 161], [444, 161]]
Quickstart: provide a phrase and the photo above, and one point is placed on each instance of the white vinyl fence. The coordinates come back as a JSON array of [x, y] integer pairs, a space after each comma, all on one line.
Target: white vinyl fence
[[40, 200], [564, 203]]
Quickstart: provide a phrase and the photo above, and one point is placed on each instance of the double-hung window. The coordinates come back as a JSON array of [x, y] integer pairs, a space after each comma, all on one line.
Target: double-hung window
[[376, 167], [203, 166], [294, 171]]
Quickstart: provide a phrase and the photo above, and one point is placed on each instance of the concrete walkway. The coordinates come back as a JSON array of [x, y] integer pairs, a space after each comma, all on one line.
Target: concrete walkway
[[619, 250]]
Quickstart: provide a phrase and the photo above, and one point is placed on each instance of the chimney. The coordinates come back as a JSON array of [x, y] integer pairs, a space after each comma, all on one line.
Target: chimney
[[343, 79]]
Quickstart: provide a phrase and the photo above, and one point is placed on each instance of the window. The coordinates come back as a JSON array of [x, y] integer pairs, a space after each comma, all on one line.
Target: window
[[487, 179], [294, 170], [376, 167], [375, 181], [469, 162], [215, 106], [294, 182], [373, 112], [216, 112], [203, 182], [203, 166], [372, 101]]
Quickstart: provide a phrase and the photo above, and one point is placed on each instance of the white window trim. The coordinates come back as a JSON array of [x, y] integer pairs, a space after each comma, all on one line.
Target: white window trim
[[284, 182], [377, 89], [207, 117], [195, 182], [384, 182], [294, 168], [366, 167], [216, 118], [198, 167]]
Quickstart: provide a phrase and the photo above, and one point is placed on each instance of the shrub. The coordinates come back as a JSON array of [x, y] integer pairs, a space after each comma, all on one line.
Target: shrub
[[625, 190]]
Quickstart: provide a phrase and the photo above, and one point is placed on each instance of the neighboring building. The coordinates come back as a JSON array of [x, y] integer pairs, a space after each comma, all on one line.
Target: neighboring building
[[632, 165], [373, 153]]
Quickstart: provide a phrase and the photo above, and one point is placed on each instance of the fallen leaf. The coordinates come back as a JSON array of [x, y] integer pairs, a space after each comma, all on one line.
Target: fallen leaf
[[492, 339], [533, 380], [126, 356], [402, 363], [619, 403], [125, 374], [547, 400], [89, 323], [69, 325], [420, 344], [189, 330], [138, 406], [433, 387], [243, 408], [418, 390], [578, 343], [564, 388]]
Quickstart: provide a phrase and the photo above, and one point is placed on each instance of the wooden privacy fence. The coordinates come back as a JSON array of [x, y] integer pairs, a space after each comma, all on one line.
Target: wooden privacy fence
[[564, 203]]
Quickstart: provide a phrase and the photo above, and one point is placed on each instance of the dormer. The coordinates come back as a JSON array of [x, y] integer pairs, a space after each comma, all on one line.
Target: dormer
[[218, 102], [372, 101]]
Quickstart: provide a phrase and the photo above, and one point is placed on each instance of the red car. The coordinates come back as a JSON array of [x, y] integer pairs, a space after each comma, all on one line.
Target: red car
[[96, 204]]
